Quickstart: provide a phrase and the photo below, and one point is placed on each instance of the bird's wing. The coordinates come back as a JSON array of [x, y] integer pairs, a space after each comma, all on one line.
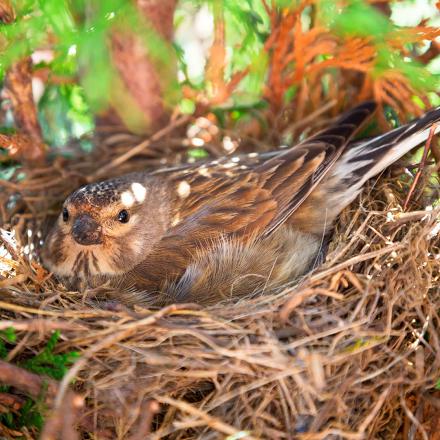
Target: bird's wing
[[293, 175], [241, 201], [229, 191]]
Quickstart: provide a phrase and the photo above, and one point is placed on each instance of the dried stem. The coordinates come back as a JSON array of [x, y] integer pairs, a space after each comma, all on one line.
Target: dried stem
[[422, 165]]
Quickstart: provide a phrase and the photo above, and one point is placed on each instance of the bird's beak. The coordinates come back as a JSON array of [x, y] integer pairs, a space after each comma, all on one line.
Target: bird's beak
[[86, 231]]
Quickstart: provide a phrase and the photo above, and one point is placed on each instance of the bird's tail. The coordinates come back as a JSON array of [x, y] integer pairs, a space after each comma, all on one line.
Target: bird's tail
[[360, 161], [365, 159]]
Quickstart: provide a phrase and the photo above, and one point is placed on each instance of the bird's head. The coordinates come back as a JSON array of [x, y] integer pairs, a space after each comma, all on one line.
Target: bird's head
[[105, 229]]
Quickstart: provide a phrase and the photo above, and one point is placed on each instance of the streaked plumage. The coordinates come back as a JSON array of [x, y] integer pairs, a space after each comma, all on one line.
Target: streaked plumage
[[201, 233]]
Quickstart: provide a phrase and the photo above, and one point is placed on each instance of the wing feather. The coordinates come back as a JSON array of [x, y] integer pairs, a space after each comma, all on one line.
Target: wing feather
[[241, 201]]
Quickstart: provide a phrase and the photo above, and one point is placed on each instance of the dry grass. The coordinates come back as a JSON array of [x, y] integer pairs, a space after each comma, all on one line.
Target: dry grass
[[351, 352]]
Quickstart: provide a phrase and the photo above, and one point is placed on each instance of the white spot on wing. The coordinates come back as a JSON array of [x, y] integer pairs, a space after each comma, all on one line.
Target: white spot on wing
[[183, 189], [176, 220], [203, 171]]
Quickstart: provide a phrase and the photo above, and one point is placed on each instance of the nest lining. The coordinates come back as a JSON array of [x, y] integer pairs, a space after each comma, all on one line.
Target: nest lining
[[349, 352]]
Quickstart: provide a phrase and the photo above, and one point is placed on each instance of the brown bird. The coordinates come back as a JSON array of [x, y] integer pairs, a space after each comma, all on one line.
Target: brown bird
[[204, 232]]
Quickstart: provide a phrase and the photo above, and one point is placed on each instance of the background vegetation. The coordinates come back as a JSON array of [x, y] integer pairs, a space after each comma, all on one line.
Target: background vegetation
[[259, 66]]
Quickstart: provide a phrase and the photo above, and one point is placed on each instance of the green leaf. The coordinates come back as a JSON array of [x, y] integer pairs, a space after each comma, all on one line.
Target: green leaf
[[58, 16], [361, 19], [198, 153], [3, 350], [187, 106], [30, 415], [50, 364], [9, 334]]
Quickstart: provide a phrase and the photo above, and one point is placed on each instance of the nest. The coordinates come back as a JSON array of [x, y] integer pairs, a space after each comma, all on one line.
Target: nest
[[350, 352]]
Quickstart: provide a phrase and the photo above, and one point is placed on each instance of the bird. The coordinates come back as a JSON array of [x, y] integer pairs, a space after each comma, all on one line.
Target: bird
[[212, 231]]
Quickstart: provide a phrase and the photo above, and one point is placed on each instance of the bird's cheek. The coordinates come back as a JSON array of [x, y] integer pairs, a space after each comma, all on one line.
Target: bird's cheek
[[110, 232]]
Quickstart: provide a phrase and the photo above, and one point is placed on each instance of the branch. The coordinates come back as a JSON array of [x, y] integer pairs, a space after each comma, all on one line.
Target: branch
[[422, 165], [18, 83], [29, 383], [62, 422]]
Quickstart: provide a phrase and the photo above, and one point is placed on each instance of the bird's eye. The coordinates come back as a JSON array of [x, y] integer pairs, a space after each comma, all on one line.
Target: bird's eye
[[123, 216], [65, 214]]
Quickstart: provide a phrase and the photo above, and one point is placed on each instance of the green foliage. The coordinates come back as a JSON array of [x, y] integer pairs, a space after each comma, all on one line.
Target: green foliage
[[361, 19], [6, 336], [50, 364], [78, 34], [187, 106], [64, 113], [30, 415], [79, 37], [197, 153], [45, 363], [248, 28], [9, 334]]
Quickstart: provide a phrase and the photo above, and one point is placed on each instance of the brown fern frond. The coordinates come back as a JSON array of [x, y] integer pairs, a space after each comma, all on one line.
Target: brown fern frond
[[325, 66], [395, 90], [279, 46], [417, 34], [221, 90], [216, 63]]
